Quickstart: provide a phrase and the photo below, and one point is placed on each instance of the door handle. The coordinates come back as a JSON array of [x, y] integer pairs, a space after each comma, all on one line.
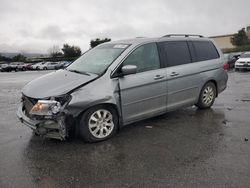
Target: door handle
[[158, 77], [174, 74]]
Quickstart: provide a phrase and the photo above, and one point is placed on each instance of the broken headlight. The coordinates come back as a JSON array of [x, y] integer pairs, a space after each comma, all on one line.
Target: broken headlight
[[50, 107], [46, 107]]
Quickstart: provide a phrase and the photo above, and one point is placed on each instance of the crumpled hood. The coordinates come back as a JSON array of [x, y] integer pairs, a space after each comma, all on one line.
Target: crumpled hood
[[55, 84]]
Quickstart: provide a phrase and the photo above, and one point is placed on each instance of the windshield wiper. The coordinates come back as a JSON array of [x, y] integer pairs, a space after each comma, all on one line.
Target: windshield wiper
[[79, 72]]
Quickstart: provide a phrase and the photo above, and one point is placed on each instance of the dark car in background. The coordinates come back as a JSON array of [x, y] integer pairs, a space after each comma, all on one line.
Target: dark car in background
[[29, 66], [6, 67], [231, 58]]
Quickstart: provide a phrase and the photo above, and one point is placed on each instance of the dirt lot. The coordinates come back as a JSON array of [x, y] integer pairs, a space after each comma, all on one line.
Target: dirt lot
[[185, 148]]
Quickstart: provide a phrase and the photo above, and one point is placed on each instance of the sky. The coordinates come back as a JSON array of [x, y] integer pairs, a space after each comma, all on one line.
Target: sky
[[34, 26]]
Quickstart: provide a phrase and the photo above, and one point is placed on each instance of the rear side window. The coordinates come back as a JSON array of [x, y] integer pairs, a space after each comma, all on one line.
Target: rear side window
[[176, 52], [205, 50]]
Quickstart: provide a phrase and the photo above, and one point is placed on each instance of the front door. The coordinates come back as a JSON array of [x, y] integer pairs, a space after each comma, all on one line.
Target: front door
[[143, 94]]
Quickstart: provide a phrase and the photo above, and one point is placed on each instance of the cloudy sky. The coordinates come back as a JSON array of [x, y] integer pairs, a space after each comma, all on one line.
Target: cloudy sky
[[37, 25]]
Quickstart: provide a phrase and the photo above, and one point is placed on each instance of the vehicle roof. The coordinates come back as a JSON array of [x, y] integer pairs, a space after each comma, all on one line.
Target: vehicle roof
[[139, 40]]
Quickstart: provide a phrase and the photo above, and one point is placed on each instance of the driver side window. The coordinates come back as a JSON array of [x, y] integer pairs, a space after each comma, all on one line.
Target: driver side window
[[145, 57]]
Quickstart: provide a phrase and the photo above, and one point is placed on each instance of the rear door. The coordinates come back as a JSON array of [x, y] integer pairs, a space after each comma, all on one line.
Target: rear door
[[183, 76], [143, 94]]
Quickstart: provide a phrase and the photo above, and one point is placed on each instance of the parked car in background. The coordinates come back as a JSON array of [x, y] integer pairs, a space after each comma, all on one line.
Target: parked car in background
[[59, 65], [231, 58], [29, 66], [6, 67], [37, 66], [243, 63], [48, 66], [66, 63], [17, 66]]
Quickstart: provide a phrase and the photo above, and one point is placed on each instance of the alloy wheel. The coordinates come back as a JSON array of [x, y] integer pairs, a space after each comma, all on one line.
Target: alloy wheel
[[101, 123]]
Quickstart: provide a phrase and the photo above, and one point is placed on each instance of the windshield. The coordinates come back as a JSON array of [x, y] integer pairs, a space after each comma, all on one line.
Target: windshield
[[97, 59], [245, 55]]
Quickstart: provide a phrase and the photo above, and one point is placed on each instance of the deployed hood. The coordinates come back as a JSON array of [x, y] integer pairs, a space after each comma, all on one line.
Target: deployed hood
[[55, 84]]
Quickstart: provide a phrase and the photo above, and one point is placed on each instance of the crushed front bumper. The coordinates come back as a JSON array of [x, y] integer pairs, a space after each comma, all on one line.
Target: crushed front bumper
[[50, 127]]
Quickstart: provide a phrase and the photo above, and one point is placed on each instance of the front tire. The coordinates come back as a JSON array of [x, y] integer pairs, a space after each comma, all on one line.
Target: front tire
[[98, 124], [207, 96]]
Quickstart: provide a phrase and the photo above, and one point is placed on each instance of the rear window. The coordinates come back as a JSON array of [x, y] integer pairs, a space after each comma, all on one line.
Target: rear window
[[205, 50]]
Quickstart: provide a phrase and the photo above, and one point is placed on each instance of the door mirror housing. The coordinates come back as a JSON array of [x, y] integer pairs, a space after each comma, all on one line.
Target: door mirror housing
[[129, 69]]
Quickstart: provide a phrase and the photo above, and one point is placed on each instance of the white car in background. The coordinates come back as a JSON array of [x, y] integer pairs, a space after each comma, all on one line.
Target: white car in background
[[48, 66], [37, 65], [243, 63]]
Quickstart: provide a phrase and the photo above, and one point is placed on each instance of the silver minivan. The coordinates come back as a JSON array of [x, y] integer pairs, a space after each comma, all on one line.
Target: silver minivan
[[121, 82]]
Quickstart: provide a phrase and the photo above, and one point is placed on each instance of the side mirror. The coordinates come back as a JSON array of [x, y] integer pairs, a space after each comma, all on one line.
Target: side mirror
[[129, 69]]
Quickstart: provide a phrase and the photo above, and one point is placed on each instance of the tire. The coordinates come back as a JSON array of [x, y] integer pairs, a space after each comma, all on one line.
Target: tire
[[94, 124], [207, 96], [45, 68]]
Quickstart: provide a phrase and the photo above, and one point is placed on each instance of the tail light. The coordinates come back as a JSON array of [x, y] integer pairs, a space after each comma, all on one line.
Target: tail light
[[225, 67]]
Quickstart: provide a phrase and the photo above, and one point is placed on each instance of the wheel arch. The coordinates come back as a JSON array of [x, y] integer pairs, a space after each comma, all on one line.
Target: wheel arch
[[112, 105], [214, 82]]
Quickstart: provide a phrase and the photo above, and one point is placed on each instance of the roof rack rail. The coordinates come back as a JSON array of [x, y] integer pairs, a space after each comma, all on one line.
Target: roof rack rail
[[184, 35]]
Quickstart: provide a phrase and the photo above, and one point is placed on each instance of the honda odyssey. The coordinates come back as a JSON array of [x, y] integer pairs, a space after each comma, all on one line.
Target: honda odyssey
[[121, 82]]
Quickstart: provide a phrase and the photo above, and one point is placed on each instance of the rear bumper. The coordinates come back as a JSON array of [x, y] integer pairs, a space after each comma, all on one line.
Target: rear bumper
[[222, 82]]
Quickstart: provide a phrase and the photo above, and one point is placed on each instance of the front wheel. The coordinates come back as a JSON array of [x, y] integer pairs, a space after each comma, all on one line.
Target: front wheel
[[207, 96], [98, 123]]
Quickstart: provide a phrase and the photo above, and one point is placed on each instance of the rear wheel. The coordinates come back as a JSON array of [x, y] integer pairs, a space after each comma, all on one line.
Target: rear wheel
[[207, 96], [98, 123]]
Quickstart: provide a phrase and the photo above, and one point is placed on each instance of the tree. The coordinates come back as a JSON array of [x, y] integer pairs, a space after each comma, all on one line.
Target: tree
[[3, 58], [19, 57], [71, 51], [240, 38], [55, 51], [97, 41]]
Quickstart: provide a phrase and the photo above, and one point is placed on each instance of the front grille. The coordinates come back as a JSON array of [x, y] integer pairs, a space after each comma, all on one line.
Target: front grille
[[28, 103]]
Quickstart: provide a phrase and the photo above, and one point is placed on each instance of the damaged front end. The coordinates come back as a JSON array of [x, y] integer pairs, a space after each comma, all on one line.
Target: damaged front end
[[46, 117]]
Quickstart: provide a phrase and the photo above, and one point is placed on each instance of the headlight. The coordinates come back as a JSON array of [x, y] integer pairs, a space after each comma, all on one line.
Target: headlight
[[46, 107]]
